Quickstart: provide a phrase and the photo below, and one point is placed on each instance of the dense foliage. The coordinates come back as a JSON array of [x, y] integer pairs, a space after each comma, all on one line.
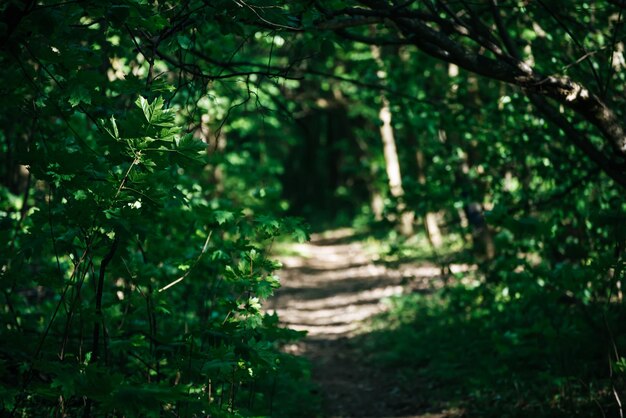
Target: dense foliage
[[132, 272], [151, 152]]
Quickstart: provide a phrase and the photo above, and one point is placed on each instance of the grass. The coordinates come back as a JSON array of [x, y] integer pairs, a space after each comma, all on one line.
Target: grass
[[511, 348], [496, 357]]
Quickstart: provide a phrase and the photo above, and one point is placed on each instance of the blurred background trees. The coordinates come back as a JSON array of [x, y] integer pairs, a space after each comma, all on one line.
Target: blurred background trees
[[152, 151]]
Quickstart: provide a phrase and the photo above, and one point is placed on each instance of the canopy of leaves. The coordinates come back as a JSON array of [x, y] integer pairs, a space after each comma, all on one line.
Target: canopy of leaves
[[152, 152]]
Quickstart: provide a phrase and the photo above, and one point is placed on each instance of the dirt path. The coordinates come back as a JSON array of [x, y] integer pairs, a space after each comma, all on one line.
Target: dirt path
[[330, 290]]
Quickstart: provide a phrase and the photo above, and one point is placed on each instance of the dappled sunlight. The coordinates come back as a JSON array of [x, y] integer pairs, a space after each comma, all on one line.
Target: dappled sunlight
[[333, 287], [244, 208], [346, 301], [336, 315], [332, 290]]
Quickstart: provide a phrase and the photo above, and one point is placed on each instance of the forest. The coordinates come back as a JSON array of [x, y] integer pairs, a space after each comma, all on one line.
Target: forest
[[312, 208]]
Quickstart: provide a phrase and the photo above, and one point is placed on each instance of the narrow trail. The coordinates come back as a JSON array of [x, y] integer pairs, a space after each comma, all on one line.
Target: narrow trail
[[330, 290]]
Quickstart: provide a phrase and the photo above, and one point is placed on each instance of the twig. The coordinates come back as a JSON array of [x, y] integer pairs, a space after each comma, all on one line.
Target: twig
[[99, 291], [181, 278], [241, 3], [135, 161], [96, 325], [573, 38]]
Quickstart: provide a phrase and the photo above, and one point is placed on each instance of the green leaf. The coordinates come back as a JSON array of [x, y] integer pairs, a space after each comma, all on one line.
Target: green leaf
[[116, 133], [79, 95], [223, 216], [155, 113], [80, 195], [184, 41]]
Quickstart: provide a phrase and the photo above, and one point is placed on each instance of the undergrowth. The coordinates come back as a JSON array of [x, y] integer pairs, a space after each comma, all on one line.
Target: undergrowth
[[476, 349]]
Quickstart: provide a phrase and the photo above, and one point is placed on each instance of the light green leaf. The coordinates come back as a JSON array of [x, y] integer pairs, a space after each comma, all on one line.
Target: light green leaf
[[78, 95], [154, 112], [223, 216], [184, 41]]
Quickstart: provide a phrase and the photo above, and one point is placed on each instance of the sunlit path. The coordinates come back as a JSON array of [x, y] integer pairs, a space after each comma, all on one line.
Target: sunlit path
[[157, 157], [330, 290], [333, 286]]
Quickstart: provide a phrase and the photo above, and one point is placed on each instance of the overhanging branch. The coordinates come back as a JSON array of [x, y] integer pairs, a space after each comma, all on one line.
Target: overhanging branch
[[509, 68]]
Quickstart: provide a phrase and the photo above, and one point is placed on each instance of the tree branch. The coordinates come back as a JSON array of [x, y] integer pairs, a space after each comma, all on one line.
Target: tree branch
[[508, 69], [579, 140]]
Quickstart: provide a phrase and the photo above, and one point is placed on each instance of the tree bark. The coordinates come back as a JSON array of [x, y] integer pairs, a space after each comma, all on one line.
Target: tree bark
[[392, 162], [513, 71], [433, 233], [438, 36]]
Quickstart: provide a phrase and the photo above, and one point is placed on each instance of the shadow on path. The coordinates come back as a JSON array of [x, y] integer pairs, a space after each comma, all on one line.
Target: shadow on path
[[330, 291]]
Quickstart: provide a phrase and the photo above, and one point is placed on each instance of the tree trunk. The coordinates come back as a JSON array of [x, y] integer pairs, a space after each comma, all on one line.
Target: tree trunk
[[503, 63], [392, 162], [430, 219]]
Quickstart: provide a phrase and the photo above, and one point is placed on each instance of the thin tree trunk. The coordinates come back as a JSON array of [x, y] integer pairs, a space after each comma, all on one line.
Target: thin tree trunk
[[392, 163], [377, 204], [430, 219]]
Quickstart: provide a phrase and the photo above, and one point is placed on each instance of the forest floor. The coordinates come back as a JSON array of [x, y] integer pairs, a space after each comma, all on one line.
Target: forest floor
[[331, 287]]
